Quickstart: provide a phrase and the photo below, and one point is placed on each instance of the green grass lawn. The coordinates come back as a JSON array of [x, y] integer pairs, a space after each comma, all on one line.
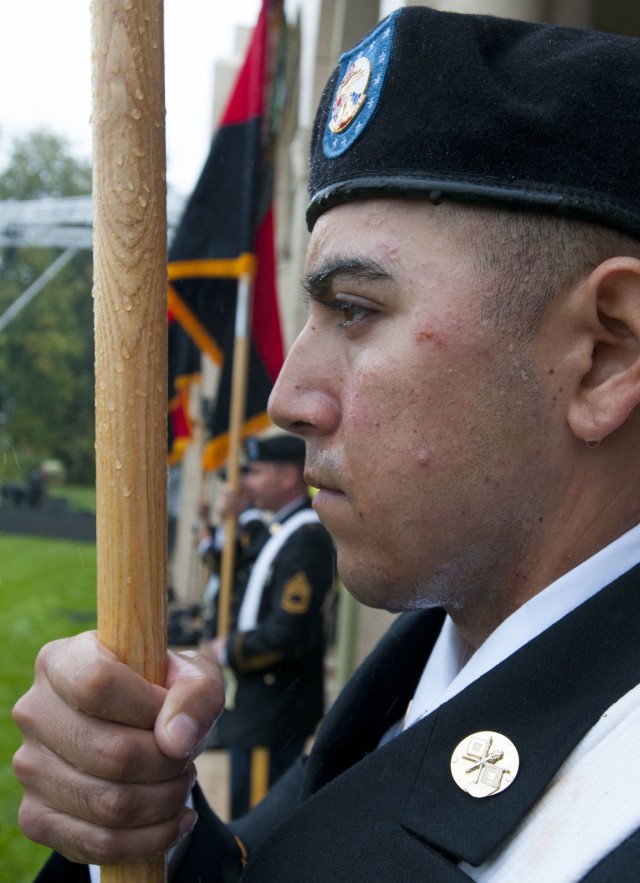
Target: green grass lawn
[[47, 591]]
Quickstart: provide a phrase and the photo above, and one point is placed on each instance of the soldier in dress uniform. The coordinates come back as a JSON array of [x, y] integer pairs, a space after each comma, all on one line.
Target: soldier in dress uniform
[[468, 388], [273, 657], [251, 535]]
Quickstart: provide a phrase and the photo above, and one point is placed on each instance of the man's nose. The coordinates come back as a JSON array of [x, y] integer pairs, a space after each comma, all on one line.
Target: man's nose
[[305, 399]]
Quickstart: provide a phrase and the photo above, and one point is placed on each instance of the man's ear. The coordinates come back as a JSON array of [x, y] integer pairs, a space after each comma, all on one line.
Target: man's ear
[[610, 390]]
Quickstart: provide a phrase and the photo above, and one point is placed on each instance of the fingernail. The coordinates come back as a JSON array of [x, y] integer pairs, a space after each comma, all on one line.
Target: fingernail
[[187, 822], [183, 733]]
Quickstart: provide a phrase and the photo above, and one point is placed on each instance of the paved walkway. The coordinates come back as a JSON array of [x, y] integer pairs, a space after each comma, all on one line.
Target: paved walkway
[[48, 520]]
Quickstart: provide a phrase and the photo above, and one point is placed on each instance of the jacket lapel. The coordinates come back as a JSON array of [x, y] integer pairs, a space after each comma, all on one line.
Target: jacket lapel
[[544, 698], [374, 699]]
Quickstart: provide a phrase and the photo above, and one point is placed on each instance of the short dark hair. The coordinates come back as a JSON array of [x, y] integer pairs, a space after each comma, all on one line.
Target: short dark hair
[[527, 258]]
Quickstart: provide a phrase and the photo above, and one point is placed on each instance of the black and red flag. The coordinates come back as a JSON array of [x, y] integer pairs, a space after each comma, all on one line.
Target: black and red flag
[[227, 233], [184, 369]]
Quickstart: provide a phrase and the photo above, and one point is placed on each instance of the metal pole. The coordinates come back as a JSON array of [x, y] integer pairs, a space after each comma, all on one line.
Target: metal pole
[[36, 287]]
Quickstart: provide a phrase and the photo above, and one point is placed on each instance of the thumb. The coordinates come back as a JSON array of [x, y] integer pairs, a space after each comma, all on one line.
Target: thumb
[[193, 703]]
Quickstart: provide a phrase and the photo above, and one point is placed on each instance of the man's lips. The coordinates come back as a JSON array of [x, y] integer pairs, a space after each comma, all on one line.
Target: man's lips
[[324, 494], [321, 483], [329, 505]]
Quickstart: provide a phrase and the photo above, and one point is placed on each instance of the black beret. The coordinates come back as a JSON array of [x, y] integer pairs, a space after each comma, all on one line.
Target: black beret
[[277, 449], [483, 109]]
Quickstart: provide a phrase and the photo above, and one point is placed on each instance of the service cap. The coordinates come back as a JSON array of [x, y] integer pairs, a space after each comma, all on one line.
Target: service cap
[[276, 449], [482, 109]]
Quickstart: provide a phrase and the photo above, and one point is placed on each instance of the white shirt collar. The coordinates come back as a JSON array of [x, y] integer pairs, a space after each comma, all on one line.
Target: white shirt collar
[[453, 665], [286, 510]]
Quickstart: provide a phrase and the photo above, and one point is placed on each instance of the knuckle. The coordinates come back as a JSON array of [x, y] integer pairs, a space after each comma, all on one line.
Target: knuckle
[[17, 712], [116, 846], [117, 807], [24, 712], [103, 847], [51, 657], [45, 657], [30, 820], [135, 806], [22, 768], [92, 685], [118, 757]]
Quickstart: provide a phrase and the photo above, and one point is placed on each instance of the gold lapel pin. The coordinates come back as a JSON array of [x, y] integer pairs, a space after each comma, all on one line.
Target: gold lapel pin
[[484, 764]]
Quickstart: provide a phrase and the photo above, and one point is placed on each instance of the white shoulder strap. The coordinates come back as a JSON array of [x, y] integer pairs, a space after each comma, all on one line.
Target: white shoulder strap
[[248, 616], [589, 807]]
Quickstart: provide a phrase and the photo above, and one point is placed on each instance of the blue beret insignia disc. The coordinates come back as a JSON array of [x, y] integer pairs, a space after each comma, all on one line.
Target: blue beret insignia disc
[[351, 94], [361, 78]]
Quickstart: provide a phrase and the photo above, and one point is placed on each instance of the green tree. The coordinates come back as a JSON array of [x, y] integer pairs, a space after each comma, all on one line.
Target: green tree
[[41, 164], [46, 352]]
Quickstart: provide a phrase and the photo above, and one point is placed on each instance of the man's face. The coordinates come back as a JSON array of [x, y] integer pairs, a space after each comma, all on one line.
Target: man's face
[[424, 426], [263, 482]]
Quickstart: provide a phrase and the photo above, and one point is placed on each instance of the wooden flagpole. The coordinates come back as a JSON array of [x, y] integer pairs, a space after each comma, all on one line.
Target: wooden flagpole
[[130, 291], [239, 380]]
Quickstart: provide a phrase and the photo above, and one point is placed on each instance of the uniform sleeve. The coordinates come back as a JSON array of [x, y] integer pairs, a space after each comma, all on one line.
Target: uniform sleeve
[[281, 799], [60, 870], [303, 574], [213, 852], [217, 852]]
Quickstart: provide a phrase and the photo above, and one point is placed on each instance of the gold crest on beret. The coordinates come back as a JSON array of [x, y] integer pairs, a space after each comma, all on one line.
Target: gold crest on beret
[[351, 94], [360, 80]]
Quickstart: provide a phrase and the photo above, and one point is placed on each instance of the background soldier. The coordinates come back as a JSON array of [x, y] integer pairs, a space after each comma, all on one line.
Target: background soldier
[[273, 657]]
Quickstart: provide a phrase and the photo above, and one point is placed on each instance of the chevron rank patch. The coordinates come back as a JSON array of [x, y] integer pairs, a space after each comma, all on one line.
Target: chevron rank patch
[[296, 597]]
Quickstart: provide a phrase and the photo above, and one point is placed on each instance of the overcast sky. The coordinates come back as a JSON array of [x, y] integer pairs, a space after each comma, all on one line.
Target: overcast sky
[[45, 73]]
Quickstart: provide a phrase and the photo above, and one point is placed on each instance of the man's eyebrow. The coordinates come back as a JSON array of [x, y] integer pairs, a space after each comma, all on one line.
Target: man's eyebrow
[[318, 283]]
